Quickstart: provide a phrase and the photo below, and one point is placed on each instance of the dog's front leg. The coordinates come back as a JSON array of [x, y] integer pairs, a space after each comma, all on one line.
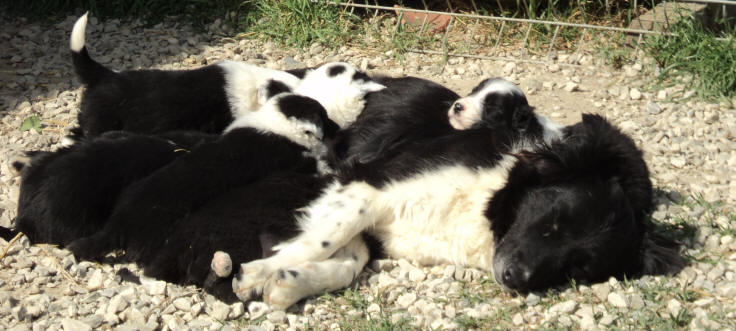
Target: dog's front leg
[[328, 224], [288, 285]]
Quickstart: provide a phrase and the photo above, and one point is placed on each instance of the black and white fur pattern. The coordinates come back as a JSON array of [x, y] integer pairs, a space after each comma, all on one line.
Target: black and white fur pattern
[[481, 199], [284, 135], [498, 102], [152, 101]]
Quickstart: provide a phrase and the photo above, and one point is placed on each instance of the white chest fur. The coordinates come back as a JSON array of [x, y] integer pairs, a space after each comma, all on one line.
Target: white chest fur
[[438, 216]]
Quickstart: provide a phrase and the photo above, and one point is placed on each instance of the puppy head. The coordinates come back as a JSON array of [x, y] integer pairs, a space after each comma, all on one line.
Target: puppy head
[[301, 119], [340, 88], [494, 102], [576, 210]]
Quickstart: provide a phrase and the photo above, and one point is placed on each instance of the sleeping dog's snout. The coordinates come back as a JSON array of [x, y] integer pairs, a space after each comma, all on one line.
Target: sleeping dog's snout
[[457, 108]]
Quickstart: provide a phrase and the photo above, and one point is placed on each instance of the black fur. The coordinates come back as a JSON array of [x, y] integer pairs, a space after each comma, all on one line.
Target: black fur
[[151, 101], [69, 193], [148, 211], [577, 209], [409, 109], [235, 222]]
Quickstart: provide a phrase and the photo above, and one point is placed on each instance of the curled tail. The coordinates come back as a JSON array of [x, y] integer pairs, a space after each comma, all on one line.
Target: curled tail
[[88, 70]]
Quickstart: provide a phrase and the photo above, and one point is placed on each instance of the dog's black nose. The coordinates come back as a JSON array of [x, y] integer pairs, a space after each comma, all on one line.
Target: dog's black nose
[[457, 107], [514, 278]]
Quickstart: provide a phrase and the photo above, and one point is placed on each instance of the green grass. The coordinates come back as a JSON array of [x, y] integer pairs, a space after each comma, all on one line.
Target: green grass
[[300, 22], [693, 51]]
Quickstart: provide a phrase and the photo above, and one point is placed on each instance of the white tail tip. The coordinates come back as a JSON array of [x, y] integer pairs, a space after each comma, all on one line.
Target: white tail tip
[[77, 41]]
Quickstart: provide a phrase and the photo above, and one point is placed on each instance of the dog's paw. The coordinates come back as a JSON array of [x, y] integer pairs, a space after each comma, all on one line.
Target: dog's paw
[[248, 283], [84, 249], [221, 264], [287, 286]]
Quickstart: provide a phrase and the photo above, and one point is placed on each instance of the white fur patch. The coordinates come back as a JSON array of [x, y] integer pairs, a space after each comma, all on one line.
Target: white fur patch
[[244, 85], [472, 105], [552, 130], [269, 118], [342, 97], [76, 43]]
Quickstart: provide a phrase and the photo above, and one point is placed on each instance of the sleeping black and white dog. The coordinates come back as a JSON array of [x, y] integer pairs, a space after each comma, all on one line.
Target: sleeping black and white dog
[[207, 99], [284, 135], [534, 214]]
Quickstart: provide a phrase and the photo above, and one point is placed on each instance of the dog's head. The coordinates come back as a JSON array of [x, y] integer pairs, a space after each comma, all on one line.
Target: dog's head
[[340, 88], [498, 103], [301, 119], [576, 209]]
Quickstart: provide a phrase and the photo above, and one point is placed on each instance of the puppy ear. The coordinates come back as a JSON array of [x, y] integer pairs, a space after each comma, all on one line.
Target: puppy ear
[[521, 117], [660, 255]]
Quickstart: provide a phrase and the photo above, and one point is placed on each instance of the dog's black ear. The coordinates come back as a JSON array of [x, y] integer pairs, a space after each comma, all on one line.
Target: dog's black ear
[[521, 118], [660, 255]]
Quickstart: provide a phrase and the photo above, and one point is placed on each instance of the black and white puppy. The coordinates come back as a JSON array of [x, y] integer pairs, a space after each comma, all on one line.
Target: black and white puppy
[[207, 99], [411, 109], [496, 102], [284, 135], [69, 193], [533, 216]]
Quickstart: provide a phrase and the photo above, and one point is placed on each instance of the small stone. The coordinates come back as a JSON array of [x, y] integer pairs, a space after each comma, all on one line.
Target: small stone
[[405, 300], [566, 307], [218, 310], [554, 67], [532, 299], [634, 94], [116, 305], [509, 67], [636, 301], [73, 325], [236, 310], [153, 287], [416, 275], [678, 161], [571, 87], [277, 317], [653, 108], [661, 95], [183, 304], [95, 281], [518, 319], [674, 307], [385, 282], [617, 300]]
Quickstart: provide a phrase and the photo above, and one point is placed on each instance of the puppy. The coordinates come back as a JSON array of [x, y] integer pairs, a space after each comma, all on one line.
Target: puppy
[[284, 135], [207, 99], [69, 193]]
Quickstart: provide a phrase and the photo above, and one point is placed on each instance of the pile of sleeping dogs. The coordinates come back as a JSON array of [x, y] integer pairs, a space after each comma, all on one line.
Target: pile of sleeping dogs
[[301, 177]]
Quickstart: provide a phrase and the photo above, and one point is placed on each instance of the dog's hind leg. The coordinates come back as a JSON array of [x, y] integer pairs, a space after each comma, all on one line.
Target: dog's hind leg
[[330, 222]]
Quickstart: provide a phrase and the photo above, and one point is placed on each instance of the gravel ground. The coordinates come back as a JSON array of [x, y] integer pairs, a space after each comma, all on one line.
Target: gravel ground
[[690, 147]]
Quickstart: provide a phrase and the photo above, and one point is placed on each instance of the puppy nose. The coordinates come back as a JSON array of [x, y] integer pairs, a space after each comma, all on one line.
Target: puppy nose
[[457, 107]]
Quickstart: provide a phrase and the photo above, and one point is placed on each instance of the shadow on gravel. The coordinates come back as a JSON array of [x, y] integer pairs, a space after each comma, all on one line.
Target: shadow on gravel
[[35, 60]]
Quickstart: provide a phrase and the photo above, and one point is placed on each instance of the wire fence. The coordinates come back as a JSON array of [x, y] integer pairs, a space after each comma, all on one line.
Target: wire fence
[[455, 33]]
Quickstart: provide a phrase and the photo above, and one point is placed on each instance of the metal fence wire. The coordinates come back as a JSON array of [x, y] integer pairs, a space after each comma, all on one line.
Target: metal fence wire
[[483, 36]]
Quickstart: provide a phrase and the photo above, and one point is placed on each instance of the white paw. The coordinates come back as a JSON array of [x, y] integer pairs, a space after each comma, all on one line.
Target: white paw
[[287, 286], [248, 284], [221, 264]]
